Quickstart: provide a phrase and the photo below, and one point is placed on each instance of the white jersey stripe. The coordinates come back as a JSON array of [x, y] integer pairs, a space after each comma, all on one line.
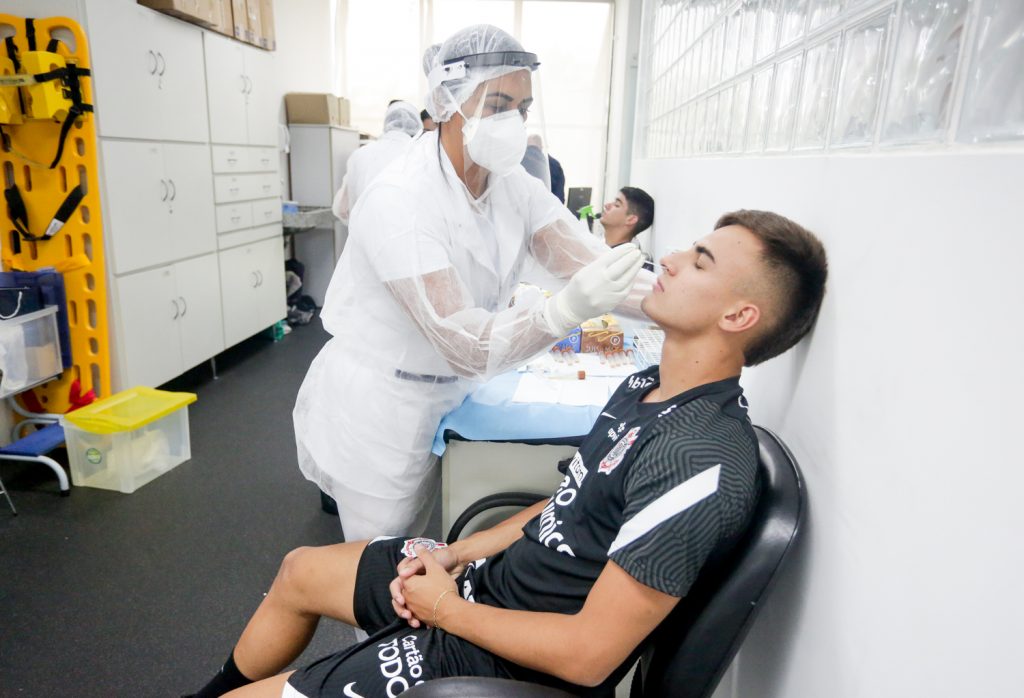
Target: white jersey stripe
[[675, 501]]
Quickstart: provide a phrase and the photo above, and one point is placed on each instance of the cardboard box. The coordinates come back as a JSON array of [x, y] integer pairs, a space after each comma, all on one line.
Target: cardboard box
[[223, 20], [253, 22], [344, 112], [266, 38], [571, 341], [601, 334], [202, 12], [311, 108], [239, 19]]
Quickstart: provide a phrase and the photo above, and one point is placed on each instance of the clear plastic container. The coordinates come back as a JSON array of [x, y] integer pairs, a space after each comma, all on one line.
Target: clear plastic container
[[29, 350], [124, 441]]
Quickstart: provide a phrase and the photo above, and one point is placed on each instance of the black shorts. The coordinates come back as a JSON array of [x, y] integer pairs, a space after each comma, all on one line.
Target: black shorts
[[395, 656]]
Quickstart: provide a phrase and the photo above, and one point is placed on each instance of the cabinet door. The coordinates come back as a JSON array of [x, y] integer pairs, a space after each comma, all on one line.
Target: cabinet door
[[226, 87], [193, 228], [124, 66], [180, 81], [264, 99], [136, 192], [270, 303], [238, 282], [147, 324], [200, 322]]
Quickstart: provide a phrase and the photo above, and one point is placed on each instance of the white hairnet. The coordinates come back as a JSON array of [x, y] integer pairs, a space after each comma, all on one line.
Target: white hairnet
[[402, 116], [445, 98]]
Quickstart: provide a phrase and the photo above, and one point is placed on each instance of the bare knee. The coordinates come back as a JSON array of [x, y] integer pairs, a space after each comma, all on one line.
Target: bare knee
[[293, 576]]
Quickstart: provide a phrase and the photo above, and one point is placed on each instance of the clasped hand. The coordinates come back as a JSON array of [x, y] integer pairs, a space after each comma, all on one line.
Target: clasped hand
[[420, 582]]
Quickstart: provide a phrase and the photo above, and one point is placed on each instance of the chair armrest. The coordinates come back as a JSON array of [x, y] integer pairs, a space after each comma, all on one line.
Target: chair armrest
[[462, 686], [491, 501]]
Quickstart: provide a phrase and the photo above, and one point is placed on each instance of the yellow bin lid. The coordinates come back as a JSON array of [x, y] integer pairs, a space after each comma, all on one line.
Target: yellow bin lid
[[128, 410]]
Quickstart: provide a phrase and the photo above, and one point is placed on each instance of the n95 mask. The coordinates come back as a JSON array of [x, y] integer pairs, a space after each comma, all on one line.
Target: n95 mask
[[497, 143]]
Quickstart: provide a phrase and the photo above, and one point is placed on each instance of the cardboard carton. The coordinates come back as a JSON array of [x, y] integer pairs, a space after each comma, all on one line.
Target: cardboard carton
[[253, 22], [600, 335], [344, 112], [266, 38], [239, 19], [223, 23], [201, 12], [311, 108]]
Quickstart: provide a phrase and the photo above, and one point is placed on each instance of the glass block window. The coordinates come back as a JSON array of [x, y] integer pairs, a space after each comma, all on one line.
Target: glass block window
[[783, 76]]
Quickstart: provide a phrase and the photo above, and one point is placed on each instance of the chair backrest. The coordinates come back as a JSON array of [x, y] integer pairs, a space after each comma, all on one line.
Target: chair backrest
[[692, 648]]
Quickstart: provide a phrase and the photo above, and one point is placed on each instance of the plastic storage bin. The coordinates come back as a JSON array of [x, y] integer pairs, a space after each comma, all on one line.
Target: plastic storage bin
[[128, 439], [29, 350]]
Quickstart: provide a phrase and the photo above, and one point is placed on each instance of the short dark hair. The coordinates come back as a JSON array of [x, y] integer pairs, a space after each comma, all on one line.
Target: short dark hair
[[798, 266], [424, 115], [640, 204]]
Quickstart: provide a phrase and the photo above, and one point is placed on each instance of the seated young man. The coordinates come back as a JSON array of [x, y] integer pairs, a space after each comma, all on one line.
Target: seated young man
[[667, 475], [630, 213]]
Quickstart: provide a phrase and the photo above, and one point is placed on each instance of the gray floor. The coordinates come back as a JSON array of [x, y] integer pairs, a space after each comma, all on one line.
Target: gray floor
[[106, 594]]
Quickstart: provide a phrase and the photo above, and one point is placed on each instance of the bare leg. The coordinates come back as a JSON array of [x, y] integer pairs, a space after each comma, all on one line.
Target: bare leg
[[311, 583], [267, 688]]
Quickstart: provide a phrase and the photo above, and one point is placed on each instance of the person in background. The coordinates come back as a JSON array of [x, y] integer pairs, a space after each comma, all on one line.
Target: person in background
[[428, 122], [401, 125], [544, 167], [418, 306], [562, 592], [625, 217]]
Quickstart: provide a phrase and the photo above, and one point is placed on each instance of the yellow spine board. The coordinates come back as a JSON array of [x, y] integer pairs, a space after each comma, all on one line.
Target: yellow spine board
[[81, 238]]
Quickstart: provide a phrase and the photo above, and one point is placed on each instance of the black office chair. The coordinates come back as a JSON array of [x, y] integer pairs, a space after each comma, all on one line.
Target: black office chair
[[686, 656]]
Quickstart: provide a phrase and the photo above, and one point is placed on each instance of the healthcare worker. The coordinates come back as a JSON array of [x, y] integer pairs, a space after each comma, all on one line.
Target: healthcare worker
[[419, 303], [401, 124]]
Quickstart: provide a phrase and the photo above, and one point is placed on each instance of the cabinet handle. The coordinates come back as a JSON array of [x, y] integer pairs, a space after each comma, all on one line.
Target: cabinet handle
[[160, 61], [184, 306], [232, 161], [260, 274], [255, 280], [177, 310], [174, 189], [249, 81], [153, 62], [235, 219], [233, 190], [163, 185], [243, 83]]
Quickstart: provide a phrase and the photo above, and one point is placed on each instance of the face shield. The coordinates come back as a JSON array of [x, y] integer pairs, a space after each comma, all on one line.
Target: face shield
[[491, 97]]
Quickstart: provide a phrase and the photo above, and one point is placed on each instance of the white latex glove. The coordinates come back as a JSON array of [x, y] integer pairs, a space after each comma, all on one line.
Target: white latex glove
[[595, 289]]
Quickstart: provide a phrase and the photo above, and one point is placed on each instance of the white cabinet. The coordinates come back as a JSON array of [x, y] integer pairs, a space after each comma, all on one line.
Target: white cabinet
[[252, 288], [243, 97], [167, 320], [147, 73], [319, 157], [159, 200]]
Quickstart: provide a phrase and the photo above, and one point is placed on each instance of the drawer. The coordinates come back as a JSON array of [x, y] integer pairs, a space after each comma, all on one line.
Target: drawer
[[265, 185], [263, 159], [249, 235], [266, 211], [232, 158], [245, 187], [233, 217], [228, 188]]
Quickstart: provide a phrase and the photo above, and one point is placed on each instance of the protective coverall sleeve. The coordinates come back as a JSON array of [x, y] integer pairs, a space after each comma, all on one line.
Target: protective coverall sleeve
[[475, 342], [341, 207], [413, 261], [562, 248]]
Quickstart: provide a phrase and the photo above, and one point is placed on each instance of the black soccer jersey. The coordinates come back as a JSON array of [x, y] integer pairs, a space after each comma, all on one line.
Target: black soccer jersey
[[654, 487]]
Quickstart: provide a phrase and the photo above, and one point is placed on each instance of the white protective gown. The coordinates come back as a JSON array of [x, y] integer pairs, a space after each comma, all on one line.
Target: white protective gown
[[364, 165], [418, 310]]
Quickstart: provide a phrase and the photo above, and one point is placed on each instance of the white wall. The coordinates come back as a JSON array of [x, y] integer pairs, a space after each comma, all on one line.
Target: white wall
[[305, 53], [901, 410]]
